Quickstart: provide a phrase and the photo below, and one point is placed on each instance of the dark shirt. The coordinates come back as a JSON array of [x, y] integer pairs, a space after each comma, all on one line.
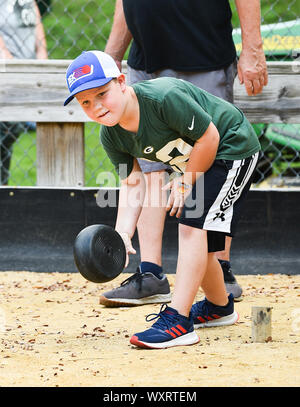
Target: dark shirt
[[184, 35]]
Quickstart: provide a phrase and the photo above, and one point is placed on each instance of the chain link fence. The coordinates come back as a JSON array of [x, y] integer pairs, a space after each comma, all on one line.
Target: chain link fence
[[72, 26]]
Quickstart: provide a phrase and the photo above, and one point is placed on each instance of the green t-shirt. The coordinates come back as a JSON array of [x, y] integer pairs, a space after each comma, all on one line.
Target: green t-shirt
[[173, 115]]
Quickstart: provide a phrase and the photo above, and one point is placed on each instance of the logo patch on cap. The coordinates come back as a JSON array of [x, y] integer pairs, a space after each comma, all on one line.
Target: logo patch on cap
[[79, 73]]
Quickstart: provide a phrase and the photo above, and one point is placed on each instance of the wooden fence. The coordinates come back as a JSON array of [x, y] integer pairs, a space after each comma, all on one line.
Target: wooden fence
[[34, 90]]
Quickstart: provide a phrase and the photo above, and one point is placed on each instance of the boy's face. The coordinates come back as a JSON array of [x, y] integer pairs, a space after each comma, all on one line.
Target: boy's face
[[105, 104]]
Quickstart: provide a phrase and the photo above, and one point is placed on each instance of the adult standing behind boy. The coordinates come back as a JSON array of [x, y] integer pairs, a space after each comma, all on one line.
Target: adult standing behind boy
[[21, 36], [190, 40]]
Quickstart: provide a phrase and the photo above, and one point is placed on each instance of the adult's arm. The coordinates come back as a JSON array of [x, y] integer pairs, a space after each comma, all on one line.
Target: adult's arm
[[252, 67], [120, 37], [40, 38], [4, 52]]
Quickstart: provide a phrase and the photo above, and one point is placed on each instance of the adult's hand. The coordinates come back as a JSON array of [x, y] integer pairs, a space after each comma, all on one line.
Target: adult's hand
[[252, 67], [252, 70]]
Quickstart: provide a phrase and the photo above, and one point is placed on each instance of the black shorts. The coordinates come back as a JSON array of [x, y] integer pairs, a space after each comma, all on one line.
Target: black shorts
[[224, 188]]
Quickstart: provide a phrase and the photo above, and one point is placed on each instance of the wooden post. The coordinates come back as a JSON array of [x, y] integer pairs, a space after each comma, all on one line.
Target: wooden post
[[60, 154], [261, 324]]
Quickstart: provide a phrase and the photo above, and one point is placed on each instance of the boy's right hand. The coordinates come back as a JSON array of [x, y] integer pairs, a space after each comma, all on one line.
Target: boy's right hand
[[179, 192], [128, 246]]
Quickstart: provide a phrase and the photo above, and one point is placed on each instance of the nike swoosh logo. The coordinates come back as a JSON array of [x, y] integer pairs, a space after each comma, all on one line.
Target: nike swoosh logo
[[192, 125]]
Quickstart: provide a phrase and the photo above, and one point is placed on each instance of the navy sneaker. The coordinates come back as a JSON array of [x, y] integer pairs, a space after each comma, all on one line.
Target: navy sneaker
[[170, 329], [206, 314]]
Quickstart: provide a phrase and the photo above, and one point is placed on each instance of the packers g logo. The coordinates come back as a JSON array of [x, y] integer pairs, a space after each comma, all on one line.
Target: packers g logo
[[148, 150]]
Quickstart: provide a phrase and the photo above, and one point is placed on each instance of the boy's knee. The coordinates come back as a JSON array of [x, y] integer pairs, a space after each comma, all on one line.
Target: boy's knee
[[188, 232], [155, 195]]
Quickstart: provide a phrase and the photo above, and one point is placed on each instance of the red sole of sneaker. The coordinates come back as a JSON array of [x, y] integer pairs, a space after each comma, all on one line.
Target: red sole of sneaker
[[208, 325], [134, 340]]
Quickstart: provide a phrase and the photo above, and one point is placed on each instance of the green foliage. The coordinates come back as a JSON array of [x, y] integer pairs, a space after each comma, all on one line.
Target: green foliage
[[272, 11], [74, 26], [23, 162], [96, 160], [23, 168]]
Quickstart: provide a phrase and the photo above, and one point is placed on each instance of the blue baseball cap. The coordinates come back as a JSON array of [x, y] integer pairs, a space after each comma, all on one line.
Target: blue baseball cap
[[90, 70]]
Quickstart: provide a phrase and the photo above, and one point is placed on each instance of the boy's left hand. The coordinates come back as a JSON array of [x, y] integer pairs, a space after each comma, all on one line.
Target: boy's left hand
[[179, 191], [128, 246]]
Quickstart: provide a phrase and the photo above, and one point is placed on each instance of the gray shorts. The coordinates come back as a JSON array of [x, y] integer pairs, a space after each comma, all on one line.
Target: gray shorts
[[218, 83]]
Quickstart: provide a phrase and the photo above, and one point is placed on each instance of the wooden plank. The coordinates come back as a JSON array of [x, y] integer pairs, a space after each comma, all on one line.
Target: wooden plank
[[60, 154], [34, 65], [40, 98], [60, 66], [36, 91], [279, 102], [284, 67], [43, 113], [37, 97]]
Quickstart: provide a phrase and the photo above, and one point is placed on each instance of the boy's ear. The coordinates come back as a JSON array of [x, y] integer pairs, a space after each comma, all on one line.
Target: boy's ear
[[122, 81]]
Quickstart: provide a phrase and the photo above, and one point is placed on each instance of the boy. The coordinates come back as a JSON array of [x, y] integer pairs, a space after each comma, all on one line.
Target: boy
[[204, 139]]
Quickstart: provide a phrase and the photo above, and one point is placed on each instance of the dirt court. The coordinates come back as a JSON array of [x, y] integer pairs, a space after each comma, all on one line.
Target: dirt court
[[54, 333]]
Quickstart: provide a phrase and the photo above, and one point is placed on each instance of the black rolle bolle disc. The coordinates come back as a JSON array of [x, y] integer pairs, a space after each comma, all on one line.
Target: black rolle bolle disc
[[99, 253]]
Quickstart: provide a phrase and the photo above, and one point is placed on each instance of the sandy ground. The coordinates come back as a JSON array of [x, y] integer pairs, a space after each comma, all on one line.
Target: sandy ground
[[54, 333]]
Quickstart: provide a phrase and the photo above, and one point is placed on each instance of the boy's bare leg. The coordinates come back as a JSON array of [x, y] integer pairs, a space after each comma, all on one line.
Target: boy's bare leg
[[193, 261], [152, 218], [213, 282]]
